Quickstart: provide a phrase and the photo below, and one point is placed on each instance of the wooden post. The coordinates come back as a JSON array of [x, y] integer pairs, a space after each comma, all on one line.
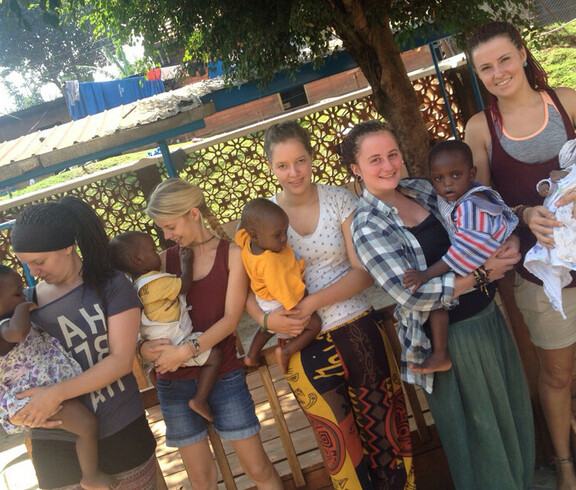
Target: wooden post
[[417, 413], [282, 427], [221, 459]]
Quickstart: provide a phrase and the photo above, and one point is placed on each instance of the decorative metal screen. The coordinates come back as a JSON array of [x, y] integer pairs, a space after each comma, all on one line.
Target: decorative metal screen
[[235, 171], [232, 172]]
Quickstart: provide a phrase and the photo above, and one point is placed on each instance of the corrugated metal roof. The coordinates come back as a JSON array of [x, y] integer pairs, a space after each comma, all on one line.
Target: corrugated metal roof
[[106, 130]]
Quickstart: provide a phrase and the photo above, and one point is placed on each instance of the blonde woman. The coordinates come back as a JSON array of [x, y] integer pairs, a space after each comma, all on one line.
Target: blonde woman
[[217, 297]]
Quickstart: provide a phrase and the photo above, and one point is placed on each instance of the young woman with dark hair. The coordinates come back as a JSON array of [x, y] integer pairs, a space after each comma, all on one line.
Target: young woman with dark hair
[[481, 406], [515, 143], [95, 314]]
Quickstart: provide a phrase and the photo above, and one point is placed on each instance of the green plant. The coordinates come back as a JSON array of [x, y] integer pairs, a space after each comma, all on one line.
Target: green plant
[[556, 51]]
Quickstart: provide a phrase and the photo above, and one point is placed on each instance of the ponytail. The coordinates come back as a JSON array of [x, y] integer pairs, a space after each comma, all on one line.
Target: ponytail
[[92, 242], [53, 226]]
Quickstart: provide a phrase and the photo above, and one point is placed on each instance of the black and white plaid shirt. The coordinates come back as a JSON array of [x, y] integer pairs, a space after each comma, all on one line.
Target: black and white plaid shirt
[[387, 250]]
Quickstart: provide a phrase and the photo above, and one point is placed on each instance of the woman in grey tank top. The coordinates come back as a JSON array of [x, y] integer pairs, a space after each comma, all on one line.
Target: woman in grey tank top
[[515, 143]]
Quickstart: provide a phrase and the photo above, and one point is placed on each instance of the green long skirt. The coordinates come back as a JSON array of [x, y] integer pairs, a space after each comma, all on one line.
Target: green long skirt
[[482, 407]]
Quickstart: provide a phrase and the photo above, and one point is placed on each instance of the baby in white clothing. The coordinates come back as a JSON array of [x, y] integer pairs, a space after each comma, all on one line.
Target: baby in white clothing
[[553, 266], [165, 314]]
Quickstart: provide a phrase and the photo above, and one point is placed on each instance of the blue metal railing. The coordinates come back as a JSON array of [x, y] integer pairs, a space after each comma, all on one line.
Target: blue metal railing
[[433, 46], [475, 85]]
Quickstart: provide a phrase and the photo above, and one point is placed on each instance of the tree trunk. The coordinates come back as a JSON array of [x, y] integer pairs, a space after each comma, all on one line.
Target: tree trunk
[[372, 46]]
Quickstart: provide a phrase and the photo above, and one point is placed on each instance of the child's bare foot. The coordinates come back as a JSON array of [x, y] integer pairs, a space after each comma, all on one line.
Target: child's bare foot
[[250, 362], [283, 358], [202, 408], [99, 481], [435, 363]]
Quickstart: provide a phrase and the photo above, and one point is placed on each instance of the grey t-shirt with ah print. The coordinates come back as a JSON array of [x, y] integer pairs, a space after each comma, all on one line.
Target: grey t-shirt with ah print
[[78, 321]]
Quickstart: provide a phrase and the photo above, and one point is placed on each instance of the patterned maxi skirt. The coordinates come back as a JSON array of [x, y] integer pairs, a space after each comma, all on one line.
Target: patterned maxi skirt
[[352, 396]]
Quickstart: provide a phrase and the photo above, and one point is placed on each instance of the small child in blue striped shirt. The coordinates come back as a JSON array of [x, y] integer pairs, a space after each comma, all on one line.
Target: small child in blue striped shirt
[[478, 223]]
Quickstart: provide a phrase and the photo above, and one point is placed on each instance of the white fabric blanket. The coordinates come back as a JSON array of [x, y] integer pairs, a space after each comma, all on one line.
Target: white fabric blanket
[[553, 266]]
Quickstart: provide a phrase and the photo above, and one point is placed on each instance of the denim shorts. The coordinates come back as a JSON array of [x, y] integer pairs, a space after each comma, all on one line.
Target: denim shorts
[[230, 402]]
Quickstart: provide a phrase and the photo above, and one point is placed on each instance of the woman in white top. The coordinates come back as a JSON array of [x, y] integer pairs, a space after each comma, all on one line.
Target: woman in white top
[[342, 380]]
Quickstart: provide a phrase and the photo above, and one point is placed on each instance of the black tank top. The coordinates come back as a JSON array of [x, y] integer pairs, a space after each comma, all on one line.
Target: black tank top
[[434, 240]]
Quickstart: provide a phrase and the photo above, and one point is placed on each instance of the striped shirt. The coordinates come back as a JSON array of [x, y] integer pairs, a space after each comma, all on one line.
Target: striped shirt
[[477, 226], [387, 249]]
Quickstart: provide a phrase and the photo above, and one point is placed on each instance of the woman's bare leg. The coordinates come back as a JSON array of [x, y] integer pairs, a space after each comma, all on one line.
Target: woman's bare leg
[[200, 465], [256, 463], [554, 388]]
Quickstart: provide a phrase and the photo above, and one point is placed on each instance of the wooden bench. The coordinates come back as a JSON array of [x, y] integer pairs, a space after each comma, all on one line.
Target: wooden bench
[[307, 471]]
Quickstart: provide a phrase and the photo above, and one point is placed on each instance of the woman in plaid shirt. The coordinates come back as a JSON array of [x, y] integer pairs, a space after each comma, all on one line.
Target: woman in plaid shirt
[[343, 381], [481, 406]]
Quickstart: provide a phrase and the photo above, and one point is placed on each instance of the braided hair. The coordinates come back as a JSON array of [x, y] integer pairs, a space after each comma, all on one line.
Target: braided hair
[[76, 217], [537, 77], [174, 197]]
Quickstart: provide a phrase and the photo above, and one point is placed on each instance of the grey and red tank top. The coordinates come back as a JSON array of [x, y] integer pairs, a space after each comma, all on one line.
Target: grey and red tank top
[[516, 180], [207, 296]]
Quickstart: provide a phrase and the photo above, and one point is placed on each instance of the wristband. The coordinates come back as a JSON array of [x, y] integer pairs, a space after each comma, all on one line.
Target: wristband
[[139, 347], [482, 277], [194, 346], [264, 327], [519, 212]]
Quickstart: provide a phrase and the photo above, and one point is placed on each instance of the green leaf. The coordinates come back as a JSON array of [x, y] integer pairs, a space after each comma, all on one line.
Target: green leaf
[[15, 7]]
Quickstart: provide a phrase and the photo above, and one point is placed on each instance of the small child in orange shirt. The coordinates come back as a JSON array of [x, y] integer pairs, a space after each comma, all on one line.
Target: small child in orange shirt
[[275, 275]]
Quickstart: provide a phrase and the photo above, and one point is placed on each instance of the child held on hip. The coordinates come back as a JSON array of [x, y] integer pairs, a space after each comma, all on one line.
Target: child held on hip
[[276, 275], [478, 222], [165, 314], [30, 358]]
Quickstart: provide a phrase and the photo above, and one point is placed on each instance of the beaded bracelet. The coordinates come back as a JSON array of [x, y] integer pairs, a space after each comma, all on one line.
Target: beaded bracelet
[[482, 277], [264, 327], [194, 346], [519, 212]]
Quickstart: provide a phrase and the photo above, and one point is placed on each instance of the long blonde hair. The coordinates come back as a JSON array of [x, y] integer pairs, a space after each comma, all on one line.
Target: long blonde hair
[[173, 198]]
